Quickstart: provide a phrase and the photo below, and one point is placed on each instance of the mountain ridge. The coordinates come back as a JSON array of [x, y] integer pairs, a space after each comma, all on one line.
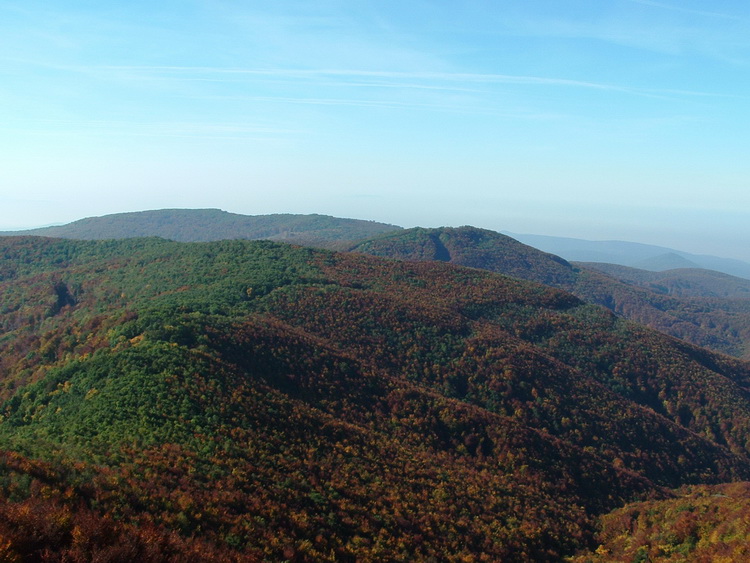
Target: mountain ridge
[[720, 325], [684, 282], [191, 225], [202, 225]]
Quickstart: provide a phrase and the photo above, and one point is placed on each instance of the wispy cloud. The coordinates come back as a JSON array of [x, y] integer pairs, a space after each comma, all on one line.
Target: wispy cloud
[[665, 28], [683, 9], [454, 81]]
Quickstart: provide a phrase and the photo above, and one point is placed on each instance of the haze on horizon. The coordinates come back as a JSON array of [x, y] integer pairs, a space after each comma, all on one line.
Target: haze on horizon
[[600, 120]]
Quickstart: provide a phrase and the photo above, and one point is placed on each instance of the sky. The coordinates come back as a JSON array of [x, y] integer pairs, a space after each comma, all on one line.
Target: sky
[[596, 119]]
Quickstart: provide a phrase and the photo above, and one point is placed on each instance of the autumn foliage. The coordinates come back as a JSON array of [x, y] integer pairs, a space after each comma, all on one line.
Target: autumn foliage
[[242, 401]]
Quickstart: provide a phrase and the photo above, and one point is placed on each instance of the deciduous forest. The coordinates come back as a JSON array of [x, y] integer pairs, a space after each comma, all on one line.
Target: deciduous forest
[[257, 401]]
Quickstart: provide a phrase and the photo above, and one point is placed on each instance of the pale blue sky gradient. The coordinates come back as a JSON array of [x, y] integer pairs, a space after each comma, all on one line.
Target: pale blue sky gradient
[[599, 119]]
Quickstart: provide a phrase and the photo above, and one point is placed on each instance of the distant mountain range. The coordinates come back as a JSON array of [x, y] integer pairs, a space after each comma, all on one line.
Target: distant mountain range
[[636, 255], [323, 231], [201, 225]]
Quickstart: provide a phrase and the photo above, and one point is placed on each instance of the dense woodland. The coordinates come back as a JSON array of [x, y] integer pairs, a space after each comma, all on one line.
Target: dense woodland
[[256, 401], [703, 307], [704, 524], [691, 282]]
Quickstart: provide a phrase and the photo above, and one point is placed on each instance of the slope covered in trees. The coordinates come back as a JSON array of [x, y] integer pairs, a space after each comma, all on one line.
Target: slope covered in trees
[[720, 324], [699, 523], [691, 282], [198, 225], [472, 247], [681, 305], [699, 306], [248, 401]]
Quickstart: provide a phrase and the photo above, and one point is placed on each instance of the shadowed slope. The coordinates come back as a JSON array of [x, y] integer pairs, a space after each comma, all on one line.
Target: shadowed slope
[[472, 247], [717, 323]]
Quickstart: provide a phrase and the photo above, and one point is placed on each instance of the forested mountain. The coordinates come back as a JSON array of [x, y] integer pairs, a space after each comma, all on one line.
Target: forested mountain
[[323, 231], [476, 248], [702, 307], [198, 225], [240, 400]]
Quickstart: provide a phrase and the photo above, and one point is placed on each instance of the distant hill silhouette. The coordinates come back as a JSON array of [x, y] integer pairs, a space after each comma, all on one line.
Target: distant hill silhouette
[[201, 225], [668, 261], [630, 254]]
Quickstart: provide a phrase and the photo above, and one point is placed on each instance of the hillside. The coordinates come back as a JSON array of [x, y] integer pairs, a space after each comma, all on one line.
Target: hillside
[[700, 523], [690, 282], [199, 225], [249, 401], [696, 315], [472, 247], [721, 324]]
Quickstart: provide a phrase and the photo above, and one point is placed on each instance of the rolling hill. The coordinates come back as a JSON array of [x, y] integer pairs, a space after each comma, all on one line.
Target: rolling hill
[[242, 401], [323, 231], [472, 247], [200, 225], [683, 304]]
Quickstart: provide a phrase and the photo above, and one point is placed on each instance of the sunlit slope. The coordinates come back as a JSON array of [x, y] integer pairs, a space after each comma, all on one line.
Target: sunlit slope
[[699, 523]]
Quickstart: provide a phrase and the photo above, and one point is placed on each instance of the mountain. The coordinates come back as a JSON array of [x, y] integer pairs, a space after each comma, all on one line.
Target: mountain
[[323, 231], [721, 324], [248, 401], [198, 225], [472, 247], [632, 254]]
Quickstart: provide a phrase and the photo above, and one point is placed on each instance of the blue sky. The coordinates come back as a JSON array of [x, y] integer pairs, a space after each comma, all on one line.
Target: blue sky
[[598, 119]]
